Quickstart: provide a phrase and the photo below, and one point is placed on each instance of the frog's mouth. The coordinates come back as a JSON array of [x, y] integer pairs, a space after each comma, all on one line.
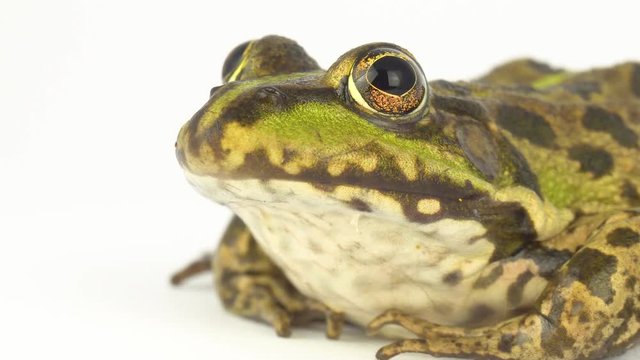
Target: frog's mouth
[[259, 165], [388, 180], [358, 195], [428, 198]]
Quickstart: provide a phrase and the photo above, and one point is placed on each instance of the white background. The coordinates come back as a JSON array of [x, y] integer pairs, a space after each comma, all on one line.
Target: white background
[[94, 211]]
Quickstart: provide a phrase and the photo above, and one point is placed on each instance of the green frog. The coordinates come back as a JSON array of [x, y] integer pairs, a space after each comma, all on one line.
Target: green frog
[[491, 219]]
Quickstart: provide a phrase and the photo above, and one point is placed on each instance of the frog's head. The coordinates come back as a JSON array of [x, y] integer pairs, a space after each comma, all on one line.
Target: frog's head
[[371, 121]]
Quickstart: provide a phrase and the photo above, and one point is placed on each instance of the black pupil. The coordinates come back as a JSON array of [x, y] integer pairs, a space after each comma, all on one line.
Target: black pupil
[[233, 59], [392, 75]]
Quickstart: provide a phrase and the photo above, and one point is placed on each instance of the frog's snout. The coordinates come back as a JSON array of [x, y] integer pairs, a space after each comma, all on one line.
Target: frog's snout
[[199, 144], [192, 146]]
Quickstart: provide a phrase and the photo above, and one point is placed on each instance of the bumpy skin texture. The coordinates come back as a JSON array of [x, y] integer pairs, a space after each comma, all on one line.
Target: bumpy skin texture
[[545, 160]]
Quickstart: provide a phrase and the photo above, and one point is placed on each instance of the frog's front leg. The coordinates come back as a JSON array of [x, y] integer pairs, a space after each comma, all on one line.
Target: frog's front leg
[[251, 285], [589, 311]]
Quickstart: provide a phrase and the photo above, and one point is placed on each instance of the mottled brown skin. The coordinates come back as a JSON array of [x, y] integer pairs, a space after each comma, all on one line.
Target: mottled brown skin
[[580, 315], [583, 314], [591, 118], [250, 285], [572, 138]]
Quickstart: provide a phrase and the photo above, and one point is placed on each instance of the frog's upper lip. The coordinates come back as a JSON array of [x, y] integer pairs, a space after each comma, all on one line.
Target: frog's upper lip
[[256, 165]]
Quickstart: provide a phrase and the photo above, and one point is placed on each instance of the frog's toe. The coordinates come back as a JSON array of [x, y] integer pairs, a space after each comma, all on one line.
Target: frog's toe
[[278, 318], [258, 302], [334, 319], [272, 300], [386, 318], [402, 346], [282, 315], [335, 322], [411, 323], [203, 264]]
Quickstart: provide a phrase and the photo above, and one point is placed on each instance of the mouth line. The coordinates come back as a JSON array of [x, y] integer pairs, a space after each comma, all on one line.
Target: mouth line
[[432, 190]]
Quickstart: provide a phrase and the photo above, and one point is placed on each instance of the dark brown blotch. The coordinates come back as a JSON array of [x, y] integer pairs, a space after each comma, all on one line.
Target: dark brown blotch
[[526, 124], [453, 278], [516, 290], [594, 269], [594, 160], [480, 313], [485, 281], [288, 155], [326, 187], [599, 119], [584, 317], [547, 260], [631, 282], [623, 237], [630, 192], [506, 343], [359, 205]]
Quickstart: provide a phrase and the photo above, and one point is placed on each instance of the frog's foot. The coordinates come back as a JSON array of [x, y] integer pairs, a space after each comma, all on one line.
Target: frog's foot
[[432, 339], [313, 310], [196, 267], [420, 327], [270, 298], [251, 285], [402, 346]]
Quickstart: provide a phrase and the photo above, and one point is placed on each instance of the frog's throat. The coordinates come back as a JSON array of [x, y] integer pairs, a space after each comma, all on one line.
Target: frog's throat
[[513, 217]]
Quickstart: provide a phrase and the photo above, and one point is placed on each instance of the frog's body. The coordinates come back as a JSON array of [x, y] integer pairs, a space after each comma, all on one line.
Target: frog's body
[[458, 204]]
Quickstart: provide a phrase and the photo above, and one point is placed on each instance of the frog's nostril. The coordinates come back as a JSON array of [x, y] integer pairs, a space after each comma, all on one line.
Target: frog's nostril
[[213, 90]]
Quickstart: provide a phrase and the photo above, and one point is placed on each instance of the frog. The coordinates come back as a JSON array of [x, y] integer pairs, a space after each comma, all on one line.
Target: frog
[[495, 218]]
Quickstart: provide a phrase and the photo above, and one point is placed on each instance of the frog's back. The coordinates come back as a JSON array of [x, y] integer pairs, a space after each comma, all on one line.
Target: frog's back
[[580, 132]]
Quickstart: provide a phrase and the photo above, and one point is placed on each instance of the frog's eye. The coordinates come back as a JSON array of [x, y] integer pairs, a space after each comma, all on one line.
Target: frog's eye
[[389, 82], [234, 62]]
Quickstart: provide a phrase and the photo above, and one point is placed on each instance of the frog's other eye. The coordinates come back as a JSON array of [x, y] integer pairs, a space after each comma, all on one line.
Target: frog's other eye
[[389, 83], [233, 63]]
